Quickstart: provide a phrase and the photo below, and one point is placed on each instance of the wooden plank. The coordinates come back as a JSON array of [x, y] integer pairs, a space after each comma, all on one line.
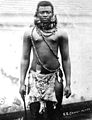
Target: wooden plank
[[70, 111]]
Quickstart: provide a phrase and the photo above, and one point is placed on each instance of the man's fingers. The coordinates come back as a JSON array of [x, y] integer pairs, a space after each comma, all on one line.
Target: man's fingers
[[23, 97], [65, 92], [22, 93], [67, 95]]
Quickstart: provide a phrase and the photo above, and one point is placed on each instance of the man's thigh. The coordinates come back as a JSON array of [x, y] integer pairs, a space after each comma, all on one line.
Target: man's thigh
[[59, 91]]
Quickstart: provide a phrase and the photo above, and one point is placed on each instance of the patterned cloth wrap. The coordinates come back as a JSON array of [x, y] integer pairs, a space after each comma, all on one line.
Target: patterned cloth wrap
[[42, 88]]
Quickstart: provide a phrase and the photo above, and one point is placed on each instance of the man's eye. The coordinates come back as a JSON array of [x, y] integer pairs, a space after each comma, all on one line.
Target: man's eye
[[48, 12], [41, 12]]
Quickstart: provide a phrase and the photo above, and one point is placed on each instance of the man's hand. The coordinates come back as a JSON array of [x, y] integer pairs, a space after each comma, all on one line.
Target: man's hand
[[22, 91], [67, 91]]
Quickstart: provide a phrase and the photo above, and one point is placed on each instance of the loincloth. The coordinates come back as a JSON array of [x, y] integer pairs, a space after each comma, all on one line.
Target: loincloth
[[42, 87]]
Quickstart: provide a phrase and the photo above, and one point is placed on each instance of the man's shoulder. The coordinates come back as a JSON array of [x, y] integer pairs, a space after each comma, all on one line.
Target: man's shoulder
[[62, 32], [28, 31]]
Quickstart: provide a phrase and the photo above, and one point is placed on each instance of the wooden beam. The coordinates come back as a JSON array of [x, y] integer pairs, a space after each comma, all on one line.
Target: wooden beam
[[72, 111]]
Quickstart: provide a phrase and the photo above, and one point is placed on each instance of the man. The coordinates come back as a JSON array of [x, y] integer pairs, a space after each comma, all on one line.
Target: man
[[45, 75]]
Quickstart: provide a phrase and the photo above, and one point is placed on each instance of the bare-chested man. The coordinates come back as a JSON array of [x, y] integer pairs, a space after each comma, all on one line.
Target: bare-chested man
[[45, 75]]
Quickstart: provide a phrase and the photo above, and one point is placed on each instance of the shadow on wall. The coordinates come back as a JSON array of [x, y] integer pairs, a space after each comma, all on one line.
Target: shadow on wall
[[10, 100]]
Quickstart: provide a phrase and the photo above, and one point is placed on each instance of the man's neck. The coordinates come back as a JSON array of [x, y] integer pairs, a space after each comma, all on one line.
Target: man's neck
[[45, 26]]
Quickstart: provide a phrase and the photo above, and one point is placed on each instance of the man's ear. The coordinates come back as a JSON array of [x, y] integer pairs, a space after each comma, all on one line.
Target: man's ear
[[37, 20], [35, 14], [54, 18]]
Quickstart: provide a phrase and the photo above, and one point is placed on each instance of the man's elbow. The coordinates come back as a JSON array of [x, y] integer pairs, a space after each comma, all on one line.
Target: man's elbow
[[66, 60]]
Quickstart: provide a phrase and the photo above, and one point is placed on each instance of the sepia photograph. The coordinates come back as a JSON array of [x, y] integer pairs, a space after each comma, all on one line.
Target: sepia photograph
[[45, 60]]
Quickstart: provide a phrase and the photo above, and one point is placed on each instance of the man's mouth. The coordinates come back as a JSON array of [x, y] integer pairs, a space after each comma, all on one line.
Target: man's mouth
[[44, 18]]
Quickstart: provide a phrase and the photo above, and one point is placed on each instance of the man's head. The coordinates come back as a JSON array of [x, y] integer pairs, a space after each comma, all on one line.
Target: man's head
[[44, 10], [44, 17]]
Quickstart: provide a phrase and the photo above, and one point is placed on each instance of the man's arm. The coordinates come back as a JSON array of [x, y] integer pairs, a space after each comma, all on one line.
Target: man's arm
[[25, 61], [66, 64]]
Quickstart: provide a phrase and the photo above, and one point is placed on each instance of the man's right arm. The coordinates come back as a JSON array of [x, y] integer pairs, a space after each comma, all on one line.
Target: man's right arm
[[25, 61], [66, 64]]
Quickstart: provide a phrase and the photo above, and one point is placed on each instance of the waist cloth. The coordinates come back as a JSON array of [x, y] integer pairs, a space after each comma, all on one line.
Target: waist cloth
[[42, 86]]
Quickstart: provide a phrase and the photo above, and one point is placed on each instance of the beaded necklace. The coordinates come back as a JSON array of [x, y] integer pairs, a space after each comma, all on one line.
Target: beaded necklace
[[46, 33]]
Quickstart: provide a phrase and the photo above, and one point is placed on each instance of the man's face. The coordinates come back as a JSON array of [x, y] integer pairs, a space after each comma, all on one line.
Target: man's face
[[45, 13]]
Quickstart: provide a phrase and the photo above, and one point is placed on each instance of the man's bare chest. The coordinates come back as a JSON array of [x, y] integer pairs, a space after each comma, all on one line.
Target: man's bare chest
[[51, 38]]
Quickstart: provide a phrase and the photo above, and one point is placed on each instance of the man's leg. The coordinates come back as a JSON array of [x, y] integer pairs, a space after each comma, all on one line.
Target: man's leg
[[59, 91], [34, 111], [50, 110], [59, 97]]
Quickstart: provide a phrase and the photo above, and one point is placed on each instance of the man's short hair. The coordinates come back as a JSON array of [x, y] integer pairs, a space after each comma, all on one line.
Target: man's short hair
[[44, 3]]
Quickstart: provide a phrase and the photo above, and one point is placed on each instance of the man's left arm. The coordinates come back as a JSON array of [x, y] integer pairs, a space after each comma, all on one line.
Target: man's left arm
[[66, 64]]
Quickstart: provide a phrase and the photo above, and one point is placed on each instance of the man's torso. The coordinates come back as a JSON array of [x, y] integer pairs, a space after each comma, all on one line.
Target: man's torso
[[45, 54]]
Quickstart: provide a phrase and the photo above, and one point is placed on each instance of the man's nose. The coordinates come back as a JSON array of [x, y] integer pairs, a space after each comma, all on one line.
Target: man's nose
[[45, 14]]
